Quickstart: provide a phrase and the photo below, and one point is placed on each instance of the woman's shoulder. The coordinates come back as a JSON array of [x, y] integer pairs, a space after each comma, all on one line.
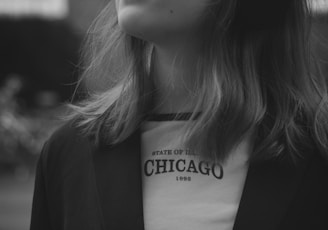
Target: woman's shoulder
[[68, 135], [66, 146]]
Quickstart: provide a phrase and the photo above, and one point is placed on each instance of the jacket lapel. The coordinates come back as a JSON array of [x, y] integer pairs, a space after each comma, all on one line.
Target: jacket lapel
[[268, 191], [118, 177]]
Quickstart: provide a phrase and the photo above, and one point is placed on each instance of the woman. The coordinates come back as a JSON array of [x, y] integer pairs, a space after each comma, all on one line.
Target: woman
[[212, 117]]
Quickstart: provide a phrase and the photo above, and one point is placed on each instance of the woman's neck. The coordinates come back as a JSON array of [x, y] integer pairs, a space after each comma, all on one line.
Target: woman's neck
[[173, 74]]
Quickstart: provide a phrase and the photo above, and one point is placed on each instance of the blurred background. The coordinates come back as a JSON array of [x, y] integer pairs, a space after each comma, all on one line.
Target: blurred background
[[39, 53]]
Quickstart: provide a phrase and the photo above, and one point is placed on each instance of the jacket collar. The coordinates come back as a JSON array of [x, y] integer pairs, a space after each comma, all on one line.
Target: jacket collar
[[268, 189], [119, 184]]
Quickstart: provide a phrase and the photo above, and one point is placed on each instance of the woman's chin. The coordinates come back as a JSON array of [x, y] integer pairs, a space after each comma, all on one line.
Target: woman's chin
[[138, 26]]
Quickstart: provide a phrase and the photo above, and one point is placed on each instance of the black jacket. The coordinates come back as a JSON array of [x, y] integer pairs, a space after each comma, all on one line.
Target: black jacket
[[79, 186]]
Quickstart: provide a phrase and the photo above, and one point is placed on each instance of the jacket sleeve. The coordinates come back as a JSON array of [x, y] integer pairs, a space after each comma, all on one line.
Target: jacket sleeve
[[40, 214]]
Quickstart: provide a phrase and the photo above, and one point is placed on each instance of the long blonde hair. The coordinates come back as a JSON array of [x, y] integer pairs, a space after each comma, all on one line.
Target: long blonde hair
[[255, 72]]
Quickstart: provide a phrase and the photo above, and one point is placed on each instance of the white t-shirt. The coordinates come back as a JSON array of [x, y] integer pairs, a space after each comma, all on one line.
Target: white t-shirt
[[181, 191]]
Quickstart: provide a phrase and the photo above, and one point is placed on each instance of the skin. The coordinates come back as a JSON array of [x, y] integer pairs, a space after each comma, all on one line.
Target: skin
[[171, 26], [158, 21]]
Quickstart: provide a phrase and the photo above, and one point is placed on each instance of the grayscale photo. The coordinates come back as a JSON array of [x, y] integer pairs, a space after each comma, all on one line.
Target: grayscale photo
[[163, 114]]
